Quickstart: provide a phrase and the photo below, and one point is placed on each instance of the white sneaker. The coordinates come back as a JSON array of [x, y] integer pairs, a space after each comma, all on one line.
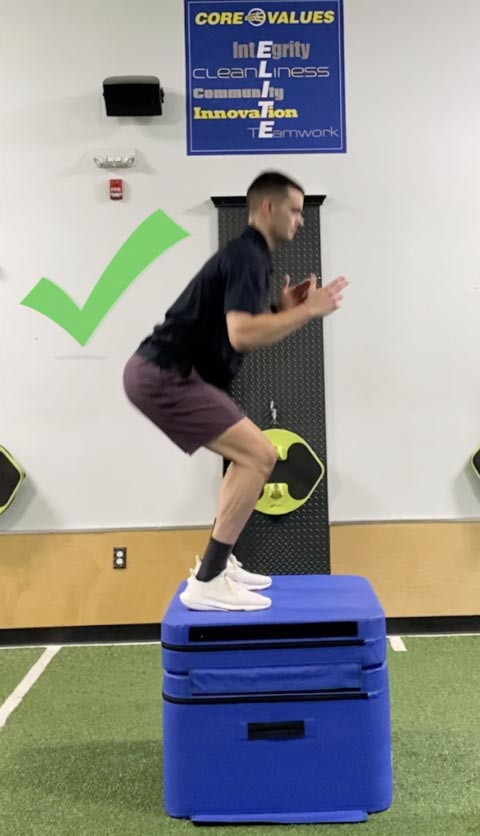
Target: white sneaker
[[251, 580], [221, 593], [236, 573]]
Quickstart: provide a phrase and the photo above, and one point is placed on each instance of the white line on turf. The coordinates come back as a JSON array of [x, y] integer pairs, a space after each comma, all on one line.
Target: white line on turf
[[13, 701], [397, 643]]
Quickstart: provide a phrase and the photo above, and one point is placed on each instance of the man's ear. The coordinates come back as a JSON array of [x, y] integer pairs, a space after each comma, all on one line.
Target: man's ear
[[266, 206]]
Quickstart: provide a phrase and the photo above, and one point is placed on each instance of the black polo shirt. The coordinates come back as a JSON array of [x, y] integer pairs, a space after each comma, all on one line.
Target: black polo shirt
[[194, 333]]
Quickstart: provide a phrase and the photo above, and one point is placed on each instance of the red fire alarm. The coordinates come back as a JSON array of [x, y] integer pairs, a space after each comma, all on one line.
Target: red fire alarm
[[116, 189]]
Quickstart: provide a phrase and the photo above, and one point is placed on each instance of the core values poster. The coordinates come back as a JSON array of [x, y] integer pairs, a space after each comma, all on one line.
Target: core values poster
[[265, 79]]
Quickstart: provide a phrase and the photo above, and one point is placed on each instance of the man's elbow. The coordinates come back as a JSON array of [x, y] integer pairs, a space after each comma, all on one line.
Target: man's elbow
[[238, 340], [237, 327]]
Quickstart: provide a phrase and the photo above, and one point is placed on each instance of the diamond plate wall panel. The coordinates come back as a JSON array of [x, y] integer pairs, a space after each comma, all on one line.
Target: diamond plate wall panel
[[290, 374]]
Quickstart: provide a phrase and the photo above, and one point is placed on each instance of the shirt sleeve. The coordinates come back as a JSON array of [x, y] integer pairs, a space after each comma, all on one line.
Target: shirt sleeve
[[245, 286]]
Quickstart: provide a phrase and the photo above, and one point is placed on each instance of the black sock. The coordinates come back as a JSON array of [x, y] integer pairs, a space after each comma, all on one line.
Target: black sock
[[214, 560]]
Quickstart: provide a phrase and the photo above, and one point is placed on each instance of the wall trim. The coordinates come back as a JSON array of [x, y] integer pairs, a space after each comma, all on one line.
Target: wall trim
[[67, 580]]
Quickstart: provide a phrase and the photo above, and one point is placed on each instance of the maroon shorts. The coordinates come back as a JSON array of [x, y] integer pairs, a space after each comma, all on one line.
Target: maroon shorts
[[187, 409]]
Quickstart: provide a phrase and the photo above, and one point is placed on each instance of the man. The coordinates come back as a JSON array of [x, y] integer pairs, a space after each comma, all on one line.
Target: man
[[180, 376]]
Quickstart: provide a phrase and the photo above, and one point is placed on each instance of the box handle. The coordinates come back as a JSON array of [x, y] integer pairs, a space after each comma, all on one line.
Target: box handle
[[287, 730]]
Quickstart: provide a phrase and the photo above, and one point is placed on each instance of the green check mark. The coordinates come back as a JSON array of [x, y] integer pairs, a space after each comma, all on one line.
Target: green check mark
[[154, 235]]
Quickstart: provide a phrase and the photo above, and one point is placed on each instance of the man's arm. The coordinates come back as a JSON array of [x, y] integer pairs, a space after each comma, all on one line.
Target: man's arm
[[247, 331]]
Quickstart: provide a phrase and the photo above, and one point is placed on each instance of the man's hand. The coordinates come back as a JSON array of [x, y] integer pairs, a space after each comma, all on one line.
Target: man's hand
[[322, 301], [291, 296], [247, 331]]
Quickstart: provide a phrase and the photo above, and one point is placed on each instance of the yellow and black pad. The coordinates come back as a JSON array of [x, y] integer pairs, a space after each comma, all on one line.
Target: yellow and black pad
[[11, 477], [475, 462], [294, 477]]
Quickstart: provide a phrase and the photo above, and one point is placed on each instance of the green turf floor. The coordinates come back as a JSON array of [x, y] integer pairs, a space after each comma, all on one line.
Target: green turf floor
[[14, 664], [82, 755]]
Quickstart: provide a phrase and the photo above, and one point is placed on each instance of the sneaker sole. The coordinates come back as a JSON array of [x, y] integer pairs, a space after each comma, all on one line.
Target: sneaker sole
[[203, 607]]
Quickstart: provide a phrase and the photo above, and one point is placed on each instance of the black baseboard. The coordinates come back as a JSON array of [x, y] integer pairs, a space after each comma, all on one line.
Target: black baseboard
[[117, 633], [103, 634], [442, 624]]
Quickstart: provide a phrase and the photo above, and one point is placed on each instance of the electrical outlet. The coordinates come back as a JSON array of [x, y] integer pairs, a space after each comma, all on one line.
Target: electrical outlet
[[119, 557]]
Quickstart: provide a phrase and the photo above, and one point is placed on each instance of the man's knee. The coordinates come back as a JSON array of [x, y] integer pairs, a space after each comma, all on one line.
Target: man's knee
[[245, 444], [266, 459]]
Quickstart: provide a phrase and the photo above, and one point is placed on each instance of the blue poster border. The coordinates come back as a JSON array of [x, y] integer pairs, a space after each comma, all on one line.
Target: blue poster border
[[342, 149]]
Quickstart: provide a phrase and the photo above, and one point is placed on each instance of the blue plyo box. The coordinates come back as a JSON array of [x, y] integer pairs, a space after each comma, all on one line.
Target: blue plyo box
[[279, 715]]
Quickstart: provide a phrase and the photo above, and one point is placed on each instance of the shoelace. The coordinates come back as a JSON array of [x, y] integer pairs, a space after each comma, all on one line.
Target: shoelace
[[233, 587]]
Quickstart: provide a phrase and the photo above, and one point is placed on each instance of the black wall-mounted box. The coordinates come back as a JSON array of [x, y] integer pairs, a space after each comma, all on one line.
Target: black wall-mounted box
[[135, 95]]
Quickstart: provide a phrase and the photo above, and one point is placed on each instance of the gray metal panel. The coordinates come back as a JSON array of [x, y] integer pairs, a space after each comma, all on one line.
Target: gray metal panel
[[291, 374]]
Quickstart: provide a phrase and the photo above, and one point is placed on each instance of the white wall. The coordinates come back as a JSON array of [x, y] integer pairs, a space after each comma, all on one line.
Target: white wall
[[401, 220]]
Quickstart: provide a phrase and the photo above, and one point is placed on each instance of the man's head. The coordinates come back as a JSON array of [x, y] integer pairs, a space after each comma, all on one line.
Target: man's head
[[275, 205]]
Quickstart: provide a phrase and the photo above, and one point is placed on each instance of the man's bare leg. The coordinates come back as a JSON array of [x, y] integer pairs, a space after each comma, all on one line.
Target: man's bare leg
[[252, 458]]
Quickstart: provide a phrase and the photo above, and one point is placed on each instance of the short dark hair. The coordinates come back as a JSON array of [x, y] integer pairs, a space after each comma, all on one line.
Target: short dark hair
[[270, 184]]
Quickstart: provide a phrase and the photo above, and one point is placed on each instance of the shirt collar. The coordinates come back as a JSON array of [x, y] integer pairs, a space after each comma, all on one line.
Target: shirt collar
[[257, 238]]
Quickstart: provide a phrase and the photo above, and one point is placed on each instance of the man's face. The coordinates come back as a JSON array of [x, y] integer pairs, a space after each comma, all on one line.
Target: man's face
[[286, 215]]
